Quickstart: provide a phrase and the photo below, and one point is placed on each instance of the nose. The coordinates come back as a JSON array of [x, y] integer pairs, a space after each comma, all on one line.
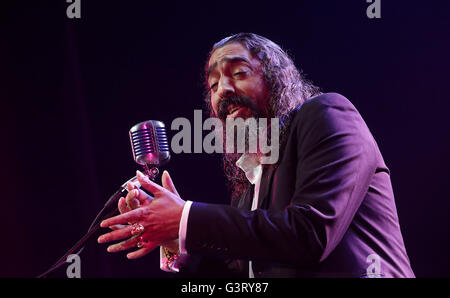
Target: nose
[[225, 89]]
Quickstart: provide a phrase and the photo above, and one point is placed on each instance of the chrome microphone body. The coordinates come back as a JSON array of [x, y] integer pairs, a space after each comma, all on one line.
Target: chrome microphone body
[[150, 146]]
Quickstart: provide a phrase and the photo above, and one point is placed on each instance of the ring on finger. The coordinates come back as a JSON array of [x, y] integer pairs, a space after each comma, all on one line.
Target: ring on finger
[[137, 229], [141, 242]]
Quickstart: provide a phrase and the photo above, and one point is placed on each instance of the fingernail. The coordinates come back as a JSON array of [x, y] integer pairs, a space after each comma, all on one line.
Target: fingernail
[[102, 224], [130, 186], [142, 176], [100, 239]]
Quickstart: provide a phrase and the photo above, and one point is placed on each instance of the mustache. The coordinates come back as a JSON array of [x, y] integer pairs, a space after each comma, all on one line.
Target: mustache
[[243, 101]]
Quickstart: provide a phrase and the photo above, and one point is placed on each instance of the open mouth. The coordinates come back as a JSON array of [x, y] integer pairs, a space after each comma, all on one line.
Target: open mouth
[[233, 109]]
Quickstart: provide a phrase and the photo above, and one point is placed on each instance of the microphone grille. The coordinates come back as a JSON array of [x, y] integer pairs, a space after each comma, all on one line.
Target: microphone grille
[[161, 137], [142, 141], [149, 143]]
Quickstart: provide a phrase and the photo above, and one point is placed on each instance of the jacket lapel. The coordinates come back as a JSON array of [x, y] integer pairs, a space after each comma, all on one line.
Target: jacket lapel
[[245, 201], [265, 187]]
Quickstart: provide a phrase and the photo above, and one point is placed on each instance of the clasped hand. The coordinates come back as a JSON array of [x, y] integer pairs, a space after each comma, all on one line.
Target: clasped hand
[[159, 216]]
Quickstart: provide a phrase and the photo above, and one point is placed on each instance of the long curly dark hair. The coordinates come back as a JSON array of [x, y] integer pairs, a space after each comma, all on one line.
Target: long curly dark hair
[[288, 89]]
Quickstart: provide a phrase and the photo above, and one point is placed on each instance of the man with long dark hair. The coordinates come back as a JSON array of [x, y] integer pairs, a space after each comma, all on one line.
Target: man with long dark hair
[[325, 208]]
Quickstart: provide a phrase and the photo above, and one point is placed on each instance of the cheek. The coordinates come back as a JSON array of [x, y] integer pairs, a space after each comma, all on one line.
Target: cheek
[[213, 103], [256, 90], [263, 92]]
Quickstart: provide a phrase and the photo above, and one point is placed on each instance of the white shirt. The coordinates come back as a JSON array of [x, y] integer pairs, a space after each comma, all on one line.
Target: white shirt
[[252, 168], [250, 164]]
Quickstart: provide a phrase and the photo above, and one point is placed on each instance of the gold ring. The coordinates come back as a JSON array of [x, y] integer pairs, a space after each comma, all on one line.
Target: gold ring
[[141, 242], [137, 229]]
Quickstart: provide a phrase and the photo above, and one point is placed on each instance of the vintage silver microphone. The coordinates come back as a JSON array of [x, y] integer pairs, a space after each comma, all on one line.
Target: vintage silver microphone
[[151, 150], [150, 146]]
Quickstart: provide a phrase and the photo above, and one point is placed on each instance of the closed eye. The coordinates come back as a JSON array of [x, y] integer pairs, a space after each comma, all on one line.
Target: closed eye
[[240, 73]]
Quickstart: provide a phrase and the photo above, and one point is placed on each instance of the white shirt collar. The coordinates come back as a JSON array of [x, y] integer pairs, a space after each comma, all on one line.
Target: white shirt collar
[[251, 166]]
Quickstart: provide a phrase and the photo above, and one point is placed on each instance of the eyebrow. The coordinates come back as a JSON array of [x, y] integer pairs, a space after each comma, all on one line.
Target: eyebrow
[[227, 59]]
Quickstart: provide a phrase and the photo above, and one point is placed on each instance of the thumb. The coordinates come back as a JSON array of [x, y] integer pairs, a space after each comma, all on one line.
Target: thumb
[[167, 183]]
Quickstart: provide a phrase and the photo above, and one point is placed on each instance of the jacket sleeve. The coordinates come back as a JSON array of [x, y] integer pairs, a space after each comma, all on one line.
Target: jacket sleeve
[[334, 165]]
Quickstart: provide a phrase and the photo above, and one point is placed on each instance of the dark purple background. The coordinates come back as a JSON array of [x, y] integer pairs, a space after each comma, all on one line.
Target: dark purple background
[[71, 89]]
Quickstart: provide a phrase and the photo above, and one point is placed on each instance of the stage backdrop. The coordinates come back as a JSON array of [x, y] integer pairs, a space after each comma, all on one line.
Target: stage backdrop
[[72, 88]]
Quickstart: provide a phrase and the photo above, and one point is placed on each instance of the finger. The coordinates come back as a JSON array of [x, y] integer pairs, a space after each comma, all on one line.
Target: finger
[[131, 186], [131, 216], [123, 208], [136, 198], [117, 227], [124, 245], [148, 184], [115, 235], [122, 205], [143, 251], [167, 183], [131, 199]]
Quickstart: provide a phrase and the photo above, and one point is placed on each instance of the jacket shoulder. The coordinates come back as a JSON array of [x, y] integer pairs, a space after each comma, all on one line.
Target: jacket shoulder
[[323, 102], [332, 105]]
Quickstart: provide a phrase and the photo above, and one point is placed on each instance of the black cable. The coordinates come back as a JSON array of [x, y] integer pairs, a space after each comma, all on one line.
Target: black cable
[[94, 227]]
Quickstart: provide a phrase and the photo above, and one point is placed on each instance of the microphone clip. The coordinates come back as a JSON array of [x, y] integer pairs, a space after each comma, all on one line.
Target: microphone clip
[[151, 171]]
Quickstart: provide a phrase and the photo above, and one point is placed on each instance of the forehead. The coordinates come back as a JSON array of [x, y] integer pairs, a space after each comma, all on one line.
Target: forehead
[[230, 51]]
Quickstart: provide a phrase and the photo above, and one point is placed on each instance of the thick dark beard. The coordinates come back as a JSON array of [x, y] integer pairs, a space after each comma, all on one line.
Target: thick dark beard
[[222, 112], [237, 181]]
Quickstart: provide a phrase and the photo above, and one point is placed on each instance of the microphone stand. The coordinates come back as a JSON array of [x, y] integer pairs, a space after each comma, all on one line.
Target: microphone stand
[[94, 227], [151, 171]]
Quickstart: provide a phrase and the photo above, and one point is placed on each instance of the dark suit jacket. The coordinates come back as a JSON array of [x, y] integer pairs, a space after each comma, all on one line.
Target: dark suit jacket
[[323, 210]]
